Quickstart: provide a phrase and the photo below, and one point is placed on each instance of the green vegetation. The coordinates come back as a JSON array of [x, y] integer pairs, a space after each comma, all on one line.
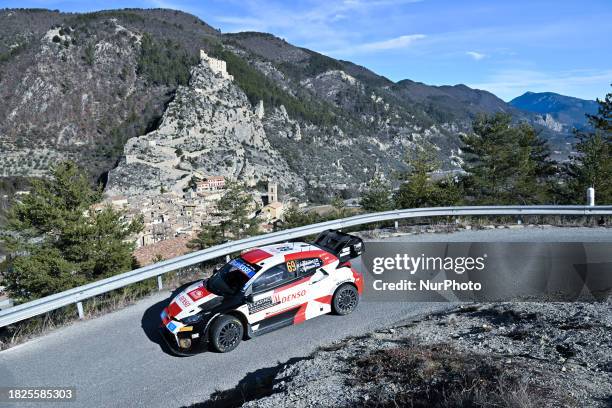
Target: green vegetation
[[89, 54], [592, 165], [377, 196], [257, 87], [164, 62], [210, 235], [505, 163], [317, 64], [294, 217], [86, 18], [6, 56], [58, 243], [418, 189], [234, 208]]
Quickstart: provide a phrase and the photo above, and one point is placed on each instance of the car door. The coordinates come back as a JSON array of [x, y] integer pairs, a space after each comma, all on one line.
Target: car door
[[319, 286], [276, 297]]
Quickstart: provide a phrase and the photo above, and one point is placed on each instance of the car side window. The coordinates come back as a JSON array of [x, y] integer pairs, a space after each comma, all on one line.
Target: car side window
[[273, 277], [303, 267]]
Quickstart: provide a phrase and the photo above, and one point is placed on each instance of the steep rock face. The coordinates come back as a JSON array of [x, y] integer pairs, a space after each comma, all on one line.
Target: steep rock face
[[210, 128], [549, 121]]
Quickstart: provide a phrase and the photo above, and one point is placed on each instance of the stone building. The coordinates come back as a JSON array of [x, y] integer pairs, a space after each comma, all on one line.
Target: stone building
[[217, 66], [212, 183]]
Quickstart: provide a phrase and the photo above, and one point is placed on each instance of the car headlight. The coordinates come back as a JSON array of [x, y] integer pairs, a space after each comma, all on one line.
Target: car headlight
[[192, 319]]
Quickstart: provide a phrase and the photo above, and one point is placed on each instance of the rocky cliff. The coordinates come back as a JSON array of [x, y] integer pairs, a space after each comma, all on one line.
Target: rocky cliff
[[210, 128]]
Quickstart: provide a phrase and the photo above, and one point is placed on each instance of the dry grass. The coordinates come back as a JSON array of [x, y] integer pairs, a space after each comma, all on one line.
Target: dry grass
[[439, 376]]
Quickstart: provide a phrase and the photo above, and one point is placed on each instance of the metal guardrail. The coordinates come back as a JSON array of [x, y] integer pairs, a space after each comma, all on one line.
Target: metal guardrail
[[78, 294]]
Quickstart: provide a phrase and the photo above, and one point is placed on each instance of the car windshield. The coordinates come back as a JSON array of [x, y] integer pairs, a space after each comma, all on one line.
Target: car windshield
[[232, 277]]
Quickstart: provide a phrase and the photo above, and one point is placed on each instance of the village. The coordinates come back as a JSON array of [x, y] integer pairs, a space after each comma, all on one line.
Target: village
[[171, 220]]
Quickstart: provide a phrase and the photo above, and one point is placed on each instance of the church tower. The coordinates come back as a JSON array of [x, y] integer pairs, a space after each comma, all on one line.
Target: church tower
[[272, 192]]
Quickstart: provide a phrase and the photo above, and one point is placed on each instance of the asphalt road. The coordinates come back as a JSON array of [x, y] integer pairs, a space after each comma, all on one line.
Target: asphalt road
[[117, 360]]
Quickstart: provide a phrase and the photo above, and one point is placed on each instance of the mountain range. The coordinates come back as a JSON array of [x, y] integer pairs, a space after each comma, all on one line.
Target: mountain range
[[129, 95]]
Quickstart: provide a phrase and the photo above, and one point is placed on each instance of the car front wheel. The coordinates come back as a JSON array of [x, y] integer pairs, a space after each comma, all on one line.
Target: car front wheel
[[345, 299], [226, 333]]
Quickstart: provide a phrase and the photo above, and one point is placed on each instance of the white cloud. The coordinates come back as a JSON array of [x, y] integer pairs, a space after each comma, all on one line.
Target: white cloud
[[511, 83], [476, 55], [402, 41]]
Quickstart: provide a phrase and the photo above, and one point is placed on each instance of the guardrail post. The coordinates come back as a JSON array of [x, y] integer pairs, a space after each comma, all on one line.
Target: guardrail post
[[160, 282], [590, 196], [227, 258], [396, 225], [80, 310]]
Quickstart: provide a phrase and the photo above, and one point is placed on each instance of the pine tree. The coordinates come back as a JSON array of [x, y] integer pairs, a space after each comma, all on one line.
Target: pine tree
[[235, 207], [294, 217], [340, 210], [210, 235], [506, 164], [377, 196], [418, 189], [592, 165], [56, 242]]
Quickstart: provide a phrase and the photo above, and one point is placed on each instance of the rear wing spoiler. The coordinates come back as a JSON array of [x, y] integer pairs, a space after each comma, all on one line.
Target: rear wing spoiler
[[344, 246]]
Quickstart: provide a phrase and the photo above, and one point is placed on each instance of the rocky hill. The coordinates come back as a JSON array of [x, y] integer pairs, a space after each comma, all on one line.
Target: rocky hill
[[126, 90], [209, 127], [557, 111]]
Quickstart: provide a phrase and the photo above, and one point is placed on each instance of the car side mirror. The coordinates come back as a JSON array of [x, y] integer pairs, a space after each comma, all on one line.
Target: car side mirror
[[248, 294]]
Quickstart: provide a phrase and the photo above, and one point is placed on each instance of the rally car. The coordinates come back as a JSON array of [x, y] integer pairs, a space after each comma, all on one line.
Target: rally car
[[265, 289]]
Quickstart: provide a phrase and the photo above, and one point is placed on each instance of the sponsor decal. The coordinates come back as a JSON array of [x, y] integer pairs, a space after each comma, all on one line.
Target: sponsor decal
[[184, 301], [171, 326], [307, 264], [284, 248], [246, 269], [303, 265], [198, 294], [279, 298], [260, 305]]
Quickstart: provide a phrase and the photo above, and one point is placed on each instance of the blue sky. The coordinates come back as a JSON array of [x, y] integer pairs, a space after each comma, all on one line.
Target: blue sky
[[506, 47]]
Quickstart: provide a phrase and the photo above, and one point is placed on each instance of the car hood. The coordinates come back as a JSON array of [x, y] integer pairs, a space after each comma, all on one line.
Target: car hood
[[193, 299]]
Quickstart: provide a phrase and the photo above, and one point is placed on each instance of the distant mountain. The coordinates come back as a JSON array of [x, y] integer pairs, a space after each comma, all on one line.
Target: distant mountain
[[565, 110]]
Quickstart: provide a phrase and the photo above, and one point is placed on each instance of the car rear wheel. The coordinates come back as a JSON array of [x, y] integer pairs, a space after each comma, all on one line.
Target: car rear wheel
[[226, 333], [345, 299]]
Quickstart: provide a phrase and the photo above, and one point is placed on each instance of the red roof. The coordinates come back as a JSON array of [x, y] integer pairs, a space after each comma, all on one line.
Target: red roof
[[255, 255]]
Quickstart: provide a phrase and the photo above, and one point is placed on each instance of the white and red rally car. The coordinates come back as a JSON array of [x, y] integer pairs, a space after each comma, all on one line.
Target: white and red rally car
[[265, 289]]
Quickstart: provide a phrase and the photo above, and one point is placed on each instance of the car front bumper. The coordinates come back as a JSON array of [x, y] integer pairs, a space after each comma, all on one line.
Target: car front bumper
[[196, 344]]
